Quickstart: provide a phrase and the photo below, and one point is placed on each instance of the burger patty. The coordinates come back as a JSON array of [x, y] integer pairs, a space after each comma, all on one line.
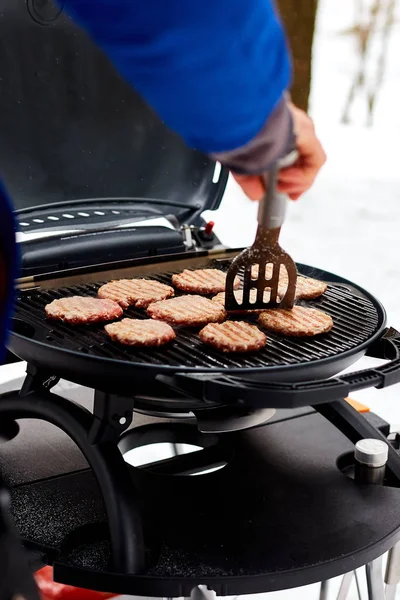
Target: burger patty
[[187, 310], [299, 321], [80, 310], [135, 292], [233, 336], [306, 287], [202, 281], [139, 332], [220, 298]]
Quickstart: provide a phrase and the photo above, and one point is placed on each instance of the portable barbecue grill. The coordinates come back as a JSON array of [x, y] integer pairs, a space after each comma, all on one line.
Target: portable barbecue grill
[[103, 190], [86, 355]]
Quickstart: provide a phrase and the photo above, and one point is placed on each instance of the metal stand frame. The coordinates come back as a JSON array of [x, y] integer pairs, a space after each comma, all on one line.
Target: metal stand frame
[[97, 435], [345, 586], [392, 574], [201, 592], [94, 437], [324, 591], [375, 585], [376, 588]]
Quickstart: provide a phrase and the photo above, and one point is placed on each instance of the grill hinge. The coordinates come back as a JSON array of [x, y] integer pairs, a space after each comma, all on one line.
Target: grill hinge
[[112, 414]]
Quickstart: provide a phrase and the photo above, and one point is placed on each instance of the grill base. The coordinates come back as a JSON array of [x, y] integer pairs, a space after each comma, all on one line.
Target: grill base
[[265, 522]]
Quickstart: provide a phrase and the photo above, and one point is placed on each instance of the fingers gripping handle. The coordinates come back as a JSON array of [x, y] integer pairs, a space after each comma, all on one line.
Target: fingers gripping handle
[[272, 207]]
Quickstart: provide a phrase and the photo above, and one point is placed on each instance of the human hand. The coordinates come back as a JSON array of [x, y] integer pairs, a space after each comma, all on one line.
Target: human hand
[[298, 178]]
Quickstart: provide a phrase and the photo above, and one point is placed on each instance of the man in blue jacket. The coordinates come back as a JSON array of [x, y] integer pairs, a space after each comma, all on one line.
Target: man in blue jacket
[[217, 72]]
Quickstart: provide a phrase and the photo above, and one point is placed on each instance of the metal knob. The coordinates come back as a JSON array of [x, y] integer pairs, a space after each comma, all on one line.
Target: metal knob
[[370, 452], [371, 457]]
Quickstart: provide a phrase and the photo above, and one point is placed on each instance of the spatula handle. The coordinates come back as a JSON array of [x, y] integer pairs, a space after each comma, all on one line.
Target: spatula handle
[[272, 207]]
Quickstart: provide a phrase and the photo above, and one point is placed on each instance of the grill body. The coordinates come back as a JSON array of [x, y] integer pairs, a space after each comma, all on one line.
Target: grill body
[[270, 465], [86, 354]]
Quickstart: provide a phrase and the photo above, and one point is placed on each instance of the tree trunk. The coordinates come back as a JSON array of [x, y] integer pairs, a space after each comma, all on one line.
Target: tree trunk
[[299, 17]]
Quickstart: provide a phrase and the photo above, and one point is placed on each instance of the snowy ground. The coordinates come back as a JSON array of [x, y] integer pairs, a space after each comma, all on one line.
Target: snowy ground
[[349, 223]]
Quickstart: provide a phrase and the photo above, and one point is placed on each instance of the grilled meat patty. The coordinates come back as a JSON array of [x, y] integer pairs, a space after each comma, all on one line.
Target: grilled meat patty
[[140, 332], [202, 281], [233, 336], [306, 287], [299, 321], [79, 310], [135, 292], [187, 310]]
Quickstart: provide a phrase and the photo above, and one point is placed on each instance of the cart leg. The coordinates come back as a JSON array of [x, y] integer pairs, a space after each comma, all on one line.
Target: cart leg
[[201, 592], [345, 586], [390, 591], [358, 586], [375, 585], [324, 591], [392, 574]]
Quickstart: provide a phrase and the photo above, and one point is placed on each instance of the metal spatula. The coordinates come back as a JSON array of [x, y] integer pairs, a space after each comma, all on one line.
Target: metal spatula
[[265, 251]]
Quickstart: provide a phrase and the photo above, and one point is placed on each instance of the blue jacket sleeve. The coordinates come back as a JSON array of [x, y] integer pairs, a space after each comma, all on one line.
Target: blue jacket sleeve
[[214, 70], [8, 266]]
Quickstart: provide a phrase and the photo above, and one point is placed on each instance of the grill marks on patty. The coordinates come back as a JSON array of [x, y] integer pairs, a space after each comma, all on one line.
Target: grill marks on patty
[[135, 292], [307, 288], [79, 310], [202, 281], [233, 336], [299, 321], [191, 311], [140, 332]]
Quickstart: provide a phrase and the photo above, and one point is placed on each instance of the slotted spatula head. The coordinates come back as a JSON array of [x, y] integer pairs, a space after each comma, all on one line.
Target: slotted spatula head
[[269, 273]]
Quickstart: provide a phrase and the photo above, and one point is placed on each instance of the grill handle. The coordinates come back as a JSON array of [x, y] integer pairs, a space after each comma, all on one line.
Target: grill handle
[[230, 389]]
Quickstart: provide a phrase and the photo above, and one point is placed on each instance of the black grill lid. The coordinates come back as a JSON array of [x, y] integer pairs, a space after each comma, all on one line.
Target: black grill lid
[[72, 129]]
